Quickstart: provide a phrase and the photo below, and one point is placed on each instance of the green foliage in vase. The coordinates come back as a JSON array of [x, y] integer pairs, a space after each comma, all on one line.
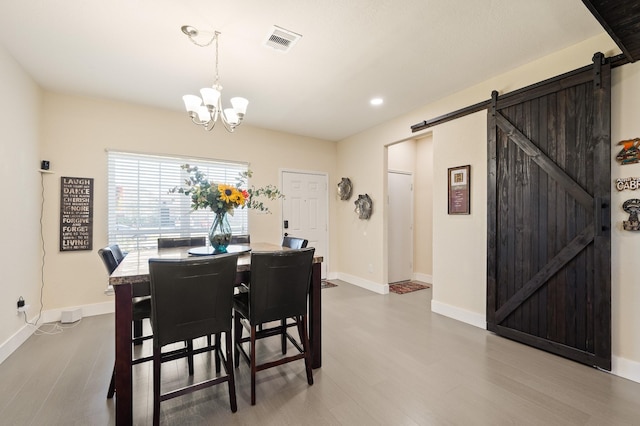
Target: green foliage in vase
[[224, 198]]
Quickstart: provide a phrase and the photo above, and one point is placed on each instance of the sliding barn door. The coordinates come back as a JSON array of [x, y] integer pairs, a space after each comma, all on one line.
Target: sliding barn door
[[549, 273]]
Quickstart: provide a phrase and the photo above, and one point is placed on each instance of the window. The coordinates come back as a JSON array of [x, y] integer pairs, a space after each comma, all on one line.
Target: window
[[141, 208]]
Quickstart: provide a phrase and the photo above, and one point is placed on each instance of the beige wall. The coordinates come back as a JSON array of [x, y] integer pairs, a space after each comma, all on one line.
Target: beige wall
[[78, 131], [401, 157], [360, 244], [459, 257], [625, 245], [20, 253], [423, 207], [459, 260]]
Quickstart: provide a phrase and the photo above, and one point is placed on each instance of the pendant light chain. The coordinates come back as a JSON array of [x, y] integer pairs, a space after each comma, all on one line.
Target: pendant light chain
[[217, 80]]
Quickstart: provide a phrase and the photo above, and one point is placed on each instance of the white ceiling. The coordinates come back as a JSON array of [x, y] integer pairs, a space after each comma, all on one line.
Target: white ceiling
[[410, 52]]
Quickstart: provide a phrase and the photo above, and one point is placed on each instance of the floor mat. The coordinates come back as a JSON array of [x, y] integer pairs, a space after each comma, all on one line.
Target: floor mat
[[406, 287], [328, 284]]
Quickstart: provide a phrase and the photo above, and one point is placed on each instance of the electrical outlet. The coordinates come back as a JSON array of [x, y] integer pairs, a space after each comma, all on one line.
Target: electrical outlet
[[23, 308]]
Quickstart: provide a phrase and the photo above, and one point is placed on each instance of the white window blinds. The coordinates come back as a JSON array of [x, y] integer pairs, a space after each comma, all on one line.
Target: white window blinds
[[141, 208]]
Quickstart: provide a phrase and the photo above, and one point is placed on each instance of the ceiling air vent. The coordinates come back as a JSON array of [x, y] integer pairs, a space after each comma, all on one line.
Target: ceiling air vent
[[281, 39]]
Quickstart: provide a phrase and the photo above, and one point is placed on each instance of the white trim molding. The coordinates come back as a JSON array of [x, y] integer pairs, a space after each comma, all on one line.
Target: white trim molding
[[366, 284], [14, 342], [625, 368], [54, 315], [424, 278], [621, 367], [472, 318]]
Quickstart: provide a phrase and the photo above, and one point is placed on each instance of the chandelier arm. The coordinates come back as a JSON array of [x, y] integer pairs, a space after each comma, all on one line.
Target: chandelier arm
[[228, 126], [217, 110], [196, 120]]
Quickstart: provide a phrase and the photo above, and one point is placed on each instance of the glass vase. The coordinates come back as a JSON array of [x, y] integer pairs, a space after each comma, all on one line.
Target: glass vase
[[220, 233]]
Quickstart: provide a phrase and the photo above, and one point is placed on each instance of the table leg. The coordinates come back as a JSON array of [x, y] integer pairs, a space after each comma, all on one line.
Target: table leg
[[124, 386], [315, 316]]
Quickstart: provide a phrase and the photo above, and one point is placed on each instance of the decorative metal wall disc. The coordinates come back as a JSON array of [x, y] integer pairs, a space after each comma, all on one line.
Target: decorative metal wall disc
[[344, 189], [364, 206]]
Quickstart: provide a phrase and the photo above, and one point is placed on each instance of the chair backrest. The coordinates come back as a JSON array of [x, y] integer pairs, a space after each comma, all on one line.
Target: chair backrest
[[108, 258], [279, 284], [181, 242], [192, 297], [294, 243], [240, 239], [117, 253]]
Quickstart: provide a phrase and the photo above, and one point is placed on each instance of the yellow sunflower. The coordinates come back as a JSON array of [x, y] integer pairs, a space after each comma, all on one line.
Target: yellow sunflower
[[237, 198], [226, 192]]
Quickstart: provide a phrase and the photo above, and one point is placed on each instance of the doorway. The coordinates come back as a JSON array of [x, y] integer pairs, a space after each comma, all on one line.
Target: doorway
[[304, 210]]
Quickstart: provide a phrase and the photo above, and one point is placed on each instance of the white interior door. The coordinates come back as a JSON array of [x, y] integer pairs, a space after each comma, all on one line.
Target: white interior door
[[400, 226], [304, 210]]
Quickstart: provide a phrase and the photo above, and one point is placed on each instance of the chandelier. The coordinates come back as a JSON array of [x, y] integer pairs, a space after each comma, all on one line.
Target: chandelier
[[205, 110]]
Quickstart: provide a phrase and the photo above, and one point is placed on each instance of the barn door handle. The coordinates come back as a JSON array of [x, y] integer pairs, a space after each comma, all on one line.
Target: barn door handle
[[601, 215]]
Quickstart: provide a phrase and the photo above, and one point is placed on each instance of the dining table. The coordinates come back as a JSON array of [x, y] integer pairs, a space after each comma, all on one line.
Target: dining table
[[131, 279]]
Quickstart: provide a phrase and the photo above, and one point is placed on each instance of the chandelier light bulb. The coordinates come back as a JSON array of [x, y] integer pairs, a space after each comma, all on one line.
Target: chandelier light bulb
[[231, 116], [239, 105], [210, 97]]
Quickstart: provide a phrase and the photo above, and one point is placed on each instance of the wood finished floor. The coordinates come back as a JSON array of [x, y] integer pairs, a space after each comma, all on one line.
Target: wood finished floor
[[387, 360]]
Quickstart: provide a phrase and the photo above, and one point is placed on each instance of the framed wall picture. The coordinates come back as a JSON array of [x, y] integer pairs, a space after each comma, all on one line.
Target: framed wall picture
[[76, 213], [459, 190]]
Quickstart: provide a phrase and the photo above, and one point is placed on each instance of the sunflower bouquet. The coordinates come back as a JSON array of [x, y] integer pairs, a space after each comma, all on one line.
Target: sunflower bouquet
[[224, 198]]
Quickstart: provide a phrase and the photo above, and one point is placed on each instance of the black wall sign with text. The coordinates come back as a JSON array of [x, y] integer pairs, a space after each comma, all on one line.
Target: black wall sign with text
[[76, 213]]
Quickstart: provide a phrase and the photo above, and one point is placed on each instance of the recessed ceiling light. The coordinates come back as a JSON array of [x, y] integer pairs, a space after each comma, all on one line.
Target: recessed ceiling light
[[376, 101]]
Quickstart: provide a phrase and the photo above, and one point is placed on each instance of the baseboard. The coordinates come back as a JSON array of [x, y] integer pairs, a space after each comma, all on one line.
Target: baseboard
[[468, 317], [54, 315], [332, 276], [621, 367], [360, 282], [424, 278], [14, 342], [625, 368]]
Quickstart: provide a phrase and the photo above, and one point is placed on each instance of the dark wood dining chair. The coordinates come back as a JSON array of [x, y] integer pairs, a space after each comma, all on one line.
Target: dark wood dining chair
[[244, 239], [293, 242], [117, 253], [172, 242], [279, 290], [111, 256], [169, 242], [203, 288], [240, 239], [141, 305], [108, 256]]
